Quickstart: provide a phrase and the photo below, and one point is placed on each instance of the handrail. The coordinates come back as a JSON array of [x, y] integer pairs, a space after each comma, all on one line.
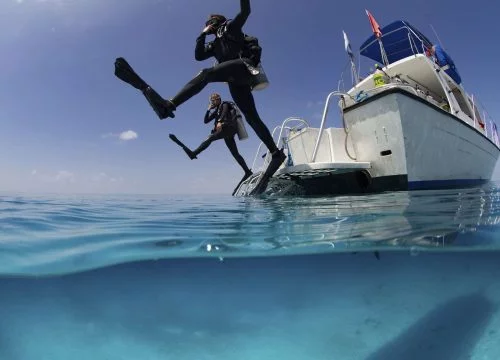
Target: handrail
[[323, 119], [260, 145], [403, 27], [486, 117], [287, 120]]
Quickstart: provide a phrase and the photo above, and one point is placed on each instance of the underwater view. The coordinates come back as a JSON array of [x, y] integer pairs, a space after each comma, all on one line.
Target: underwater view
[[402, 275]]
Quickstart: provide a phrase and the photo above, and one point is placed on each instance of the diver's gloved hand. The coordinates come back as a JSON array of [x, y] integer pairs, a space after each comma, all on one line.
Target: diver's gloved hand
[[207, 30]]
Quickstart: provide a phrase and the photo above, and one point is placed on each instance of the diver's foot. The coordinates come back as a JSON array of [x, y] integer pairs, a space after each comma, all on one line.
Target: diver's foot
[[188, 151], [278, 158], [163, 108], [246, 176], [168, 109]]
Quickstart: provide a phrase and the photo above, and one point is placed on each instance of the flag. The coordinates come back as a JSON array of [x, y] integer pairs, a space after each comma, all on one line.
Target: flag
[[348, 48], [374, 24]]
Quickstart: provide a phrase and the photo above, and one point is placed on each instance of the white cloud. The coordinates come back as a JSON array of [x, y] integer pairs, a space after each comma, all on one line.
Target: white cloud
[[128, 135], [64, 176], [124, 136], [317, 116], [99, 177], [64, 179], [316, 109], [105, 178], [312, 104], [108, 135]]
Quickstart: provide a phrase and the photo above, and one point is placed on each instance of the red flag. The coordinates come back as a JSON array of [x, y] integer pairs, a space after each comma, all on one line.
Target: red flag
[[374, 24]]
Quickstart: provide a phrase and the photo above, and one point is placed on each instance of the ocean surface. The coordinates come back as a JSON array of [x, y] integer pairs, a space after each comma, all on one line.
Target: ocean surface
[[393, 276]]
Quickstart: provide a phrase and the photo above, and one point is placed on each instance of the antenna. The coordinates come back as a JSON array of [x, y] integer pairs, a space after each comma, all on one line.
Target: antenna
[[435, 33]]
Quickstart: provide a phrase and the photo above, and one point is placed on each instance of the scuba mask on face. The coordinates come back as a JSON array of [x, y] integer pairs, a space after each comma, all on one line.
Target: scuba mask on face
[[215, 100], [213, 23]]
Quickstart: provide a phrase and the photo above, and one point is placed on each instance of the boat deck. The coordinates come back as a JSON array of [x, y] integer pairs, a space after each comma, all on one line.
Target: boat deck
[[320, 169], [302, 171]]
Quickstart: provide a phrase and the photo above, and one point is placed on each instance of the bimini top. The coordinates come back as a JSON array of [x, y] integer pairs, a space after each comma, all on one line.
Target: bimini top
[[400, 40]]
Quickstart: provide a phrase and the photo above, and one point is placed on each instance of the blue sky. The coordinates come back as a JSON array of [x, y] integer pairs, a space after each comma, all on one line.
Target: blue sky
[[68, 125]]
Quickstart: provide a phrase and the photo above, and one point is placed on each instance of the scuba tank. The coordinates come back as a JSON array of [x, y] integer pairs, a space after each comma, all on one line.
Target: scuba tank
[[259, 79], [240, 126], [241, 131]]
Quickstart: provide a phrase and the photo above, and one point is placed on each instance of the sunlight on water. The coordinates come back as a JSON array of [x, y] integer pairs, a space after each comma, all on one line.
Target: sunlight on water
[[44, 235]]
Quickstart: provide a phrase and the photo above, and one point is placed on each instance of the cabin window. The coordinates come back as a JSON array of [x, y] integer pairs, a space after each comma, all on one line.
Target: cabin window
[[479, 119], [462, 102]]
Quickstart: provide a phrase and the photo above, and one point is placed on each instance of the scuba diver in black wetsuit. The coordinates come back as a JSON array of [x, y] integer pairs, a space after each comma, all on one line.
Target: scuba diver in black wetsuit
[[225, 127], [235, 62]]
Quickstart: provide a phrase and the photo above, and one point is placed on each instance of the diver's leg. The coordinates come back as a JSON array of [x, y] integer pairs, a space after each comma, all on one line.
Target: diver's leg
[[229, 71], [231, 145], [205, 144], [242, 96]]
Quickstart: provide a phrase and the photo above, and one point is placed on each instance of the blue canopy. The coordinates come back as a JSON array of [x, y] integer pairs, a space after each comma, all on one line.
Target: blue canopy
[[400, 40]]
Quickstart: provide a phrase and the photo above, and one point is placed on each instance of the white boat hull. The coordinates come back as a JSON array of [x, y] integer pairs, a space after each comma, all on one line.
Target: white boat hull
[[402, 135]]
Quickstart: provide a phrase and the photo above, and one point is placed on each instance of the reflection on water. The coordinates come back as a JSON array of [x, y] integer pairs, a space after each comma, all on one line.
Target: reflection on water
[[421, 219], [68, 234]]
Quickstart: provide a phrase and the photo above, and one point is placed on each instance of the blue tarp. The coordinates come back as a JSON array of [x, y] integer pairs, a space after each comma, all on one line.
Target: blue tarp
[[444, 59], [396, 40]]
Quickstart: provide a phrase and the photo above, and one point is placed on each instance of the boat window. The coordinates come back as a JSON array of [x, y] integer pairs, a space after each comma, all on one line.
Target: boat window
[[462, 102], [477, 113]]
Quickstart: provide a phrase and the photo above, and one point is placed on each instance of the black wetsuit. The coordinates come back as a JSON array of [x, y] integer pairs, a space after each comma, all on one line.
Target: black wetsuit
[[231, 69], [226, 131]]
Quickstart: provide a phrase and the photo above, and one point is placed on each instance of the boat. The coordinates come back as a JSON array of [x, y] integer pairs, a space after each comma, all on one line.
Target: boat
[[408, 125]]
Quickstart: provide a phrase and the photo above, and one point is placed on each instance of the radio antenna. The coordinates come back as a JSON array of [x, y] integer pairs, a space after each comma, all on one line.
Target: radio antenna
[[435, 33]]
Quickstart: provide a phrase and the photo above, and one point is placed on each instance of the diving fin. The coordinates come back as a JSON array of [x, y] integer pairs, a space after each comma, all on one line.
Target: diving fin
[[163, 108], [184, 147], [124, 72], [246, 176], [277, 159]]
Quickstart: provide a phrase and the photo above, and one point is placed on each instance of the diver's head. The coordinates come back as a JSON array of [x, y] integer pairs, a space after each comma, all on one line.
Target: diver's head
[[215, 99], [213, 23]]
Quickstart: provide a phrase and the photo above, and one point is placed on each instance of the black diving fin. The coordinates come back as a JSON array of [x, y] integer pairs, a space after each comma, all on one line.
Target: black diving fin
[[123, 71], [246, 176], [184, 147], [277, 159]]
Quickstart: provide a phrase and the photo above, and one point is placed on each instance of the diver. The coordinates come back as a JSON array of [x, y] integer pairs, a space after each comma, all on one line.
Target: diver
[[238, 61], [225, 127]]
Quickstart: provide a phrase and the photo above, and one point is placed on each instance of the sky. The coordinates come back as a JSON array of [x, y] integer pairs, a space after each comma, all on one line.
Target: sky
[[68, 125]]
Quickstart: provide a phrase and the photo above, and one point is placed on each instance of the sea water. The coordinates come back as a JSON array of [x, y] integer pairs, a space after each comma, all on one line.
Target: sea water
[[403, 275]]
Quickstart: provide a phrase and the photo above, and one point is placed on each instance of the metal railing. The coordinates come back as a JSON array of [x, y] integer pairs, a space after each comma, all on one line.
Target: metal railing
[[489, 124], [419, 47], [323, 120], [280, 137]]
